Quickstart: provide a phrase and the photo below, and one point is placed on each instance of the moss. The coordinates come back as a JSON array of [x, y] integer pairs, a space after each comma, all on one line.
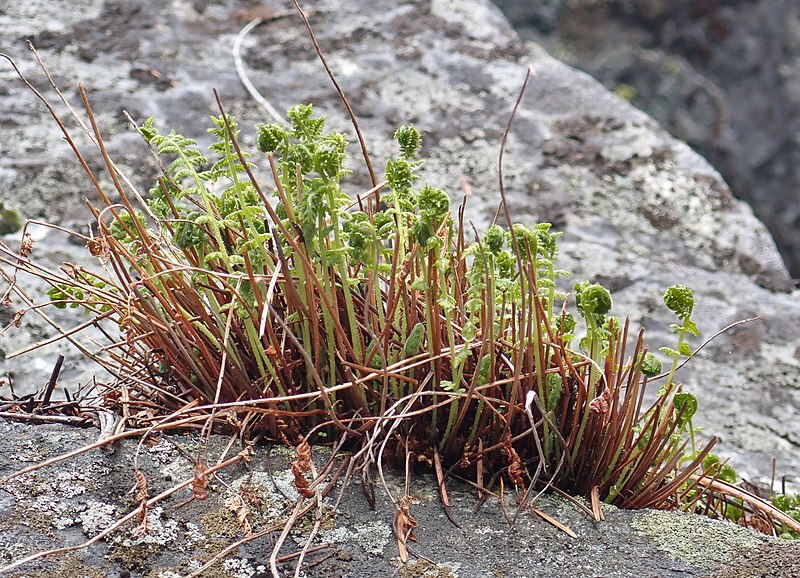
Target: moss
[[68, 566], [426, 569], [626, 91], [696, 540], [220, 523], [132, 557], [10, 220], [327, 523], [37, 520]]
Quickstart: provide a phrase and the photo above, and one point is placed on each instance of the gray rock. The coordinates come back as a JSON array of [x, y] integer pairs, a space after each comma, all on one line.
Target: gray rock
[[639, 209], [71, 502], [722, 76]]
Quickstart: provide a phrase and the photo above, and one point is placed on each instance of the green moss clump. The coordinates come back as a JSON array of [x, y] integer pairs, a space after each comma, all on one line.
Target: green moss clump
[[10, 220]]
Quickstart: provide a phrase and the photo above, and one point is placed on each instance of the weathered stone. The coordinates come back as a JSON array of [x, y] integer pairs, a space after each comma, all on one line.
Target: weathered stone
[[639, 210], [68, 503], [722, 76]]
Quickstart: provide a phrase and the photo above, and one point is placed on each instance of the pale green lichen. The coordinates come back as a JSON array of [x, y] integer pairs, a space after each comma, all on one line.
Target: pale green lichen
[[696, 540], [97, 517], [273, 492], [371, 537], [160, 532]]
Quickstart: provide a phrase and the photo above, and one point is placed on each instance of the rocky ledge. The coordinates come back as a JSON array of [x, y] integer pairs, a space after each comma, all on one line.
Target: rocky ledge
[[66, 504]]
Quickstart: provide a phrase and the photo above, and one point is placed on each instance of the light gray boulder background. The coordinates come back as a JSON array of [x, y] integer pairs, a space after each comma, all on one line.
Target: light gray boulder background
[[638, 208], [722, 76]]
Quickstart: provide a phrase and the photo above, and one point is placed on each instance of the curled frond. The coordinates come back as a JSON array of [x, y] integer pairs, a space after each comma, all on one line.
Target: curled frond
[[680, 300]]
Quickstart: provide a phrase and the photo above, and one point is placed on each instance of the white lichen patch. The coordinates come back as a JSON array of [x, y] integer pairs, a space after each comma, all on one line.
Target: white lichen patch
[[371, 537], [193, 534], [284, 483], [488, 531], [162, 451], [37, 448], [696, 540], [240, 568], [427, 569], [70, 484], [477, 20], [42, 503], [13, 551], [45, 499], [272, 492], [178, 469], [160, 532], [21, 19], [454, 567], [61, 522], [97, 517]]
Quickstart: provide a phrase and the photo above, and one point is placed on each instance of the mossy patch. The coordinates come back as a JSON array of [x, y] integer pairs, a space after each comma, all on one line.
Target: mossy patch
[[220, 523], [327, 521], [426, 569], [68, 566], [10, 220]]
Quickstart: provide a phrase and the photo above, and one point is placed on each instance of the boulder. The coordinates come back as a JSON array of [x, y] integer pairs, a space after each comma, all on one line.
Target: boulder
[[722, 76], [639, 209]]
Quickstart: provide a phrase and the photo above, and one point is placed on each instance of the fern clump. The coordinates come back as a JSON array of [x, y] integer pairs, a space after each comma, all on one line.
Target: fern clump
[[345, 311]]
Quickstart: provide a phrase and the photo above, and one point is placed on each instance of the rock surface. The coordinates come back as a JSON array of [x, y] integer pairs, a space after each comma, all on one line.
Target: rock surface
[[638, 208], [722, 76], [69, 503]]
